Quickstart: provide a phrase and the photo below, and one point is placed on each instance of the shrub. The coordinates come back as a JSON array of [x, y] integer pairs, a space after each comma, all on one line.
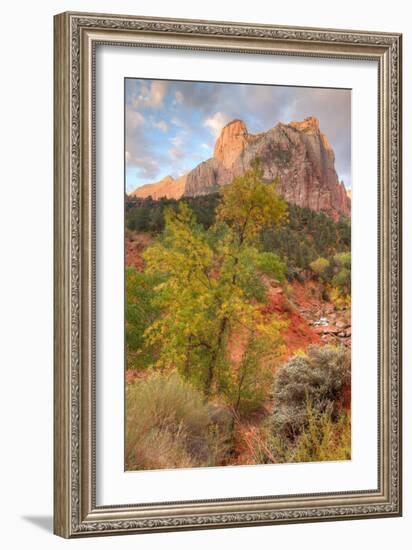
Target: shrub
[[319, 266], [168, 425], [322, 439], [140, 312], [343, 259], [320, 377], [271, 265], [339, 300], [249, 385], [305, 237], [342, 278]]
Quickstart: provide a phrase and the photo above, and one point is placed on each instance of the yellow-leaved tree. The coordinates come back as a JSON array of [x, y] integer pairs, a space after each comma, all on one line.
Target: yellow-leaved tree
[[211, 292]]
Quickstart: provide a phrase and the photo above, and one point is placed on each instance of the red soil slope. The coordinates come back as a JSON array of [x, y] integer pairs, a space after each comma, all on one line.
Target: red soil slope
[[310, 319]]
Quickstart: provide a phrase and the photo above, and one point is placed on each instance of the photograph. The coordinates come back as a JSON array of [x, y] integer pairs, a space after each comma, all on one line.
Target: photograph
[[237, 277]]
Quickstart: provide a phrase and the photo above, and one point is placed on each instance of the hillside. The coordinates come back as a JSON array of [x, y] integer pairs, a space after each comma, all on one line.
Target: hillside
[[166, 187], [306, 236], [237, 310]]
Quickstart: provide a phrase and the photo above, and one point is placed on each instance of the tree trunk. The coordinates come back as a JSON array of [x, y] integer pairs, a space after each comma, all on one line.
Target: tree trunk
[[215, 357]]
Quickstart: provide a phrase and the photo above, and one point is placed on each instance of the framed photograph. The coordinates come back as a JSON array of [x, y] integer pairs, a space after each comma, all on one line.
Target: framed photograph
[[227, 274]]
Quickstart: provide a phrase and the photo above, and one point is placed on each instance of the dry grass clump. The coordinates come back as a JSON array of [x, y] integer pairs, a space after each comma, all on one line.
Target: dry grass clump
[[168, 425]]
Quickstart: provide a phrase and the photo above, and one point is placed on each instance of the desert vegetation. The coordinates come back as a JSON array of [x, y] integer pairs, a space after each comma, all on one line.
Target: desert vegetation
[[237, 330]]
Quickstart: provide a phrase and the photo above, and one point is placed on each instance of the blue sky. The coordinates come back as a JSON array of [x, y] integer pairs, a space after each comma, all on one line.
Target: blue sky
[[171, 126]]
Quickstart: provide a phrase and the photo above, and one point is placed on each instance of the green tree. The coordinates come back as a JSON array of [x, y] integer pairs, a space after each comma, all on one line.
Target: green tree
[[140, 312], [184, 330], [249, 205], [342, 278]]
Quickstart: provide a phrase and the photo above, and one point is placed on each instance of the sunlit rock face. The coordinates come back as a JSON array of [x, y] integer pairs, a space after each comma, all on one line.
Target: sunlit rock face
[[298, 154], [166, 187], [231, 143]]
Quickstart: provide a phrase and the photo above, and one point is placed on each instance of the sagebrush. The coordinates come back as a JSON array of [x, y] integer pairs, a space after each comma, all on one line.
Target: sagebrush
[[320, 377], [170, 426]]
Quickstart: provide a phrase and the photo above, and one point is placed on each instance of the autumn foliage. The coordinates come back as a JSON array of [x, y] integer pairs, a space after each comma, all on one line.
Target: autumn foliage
[[201, 336]]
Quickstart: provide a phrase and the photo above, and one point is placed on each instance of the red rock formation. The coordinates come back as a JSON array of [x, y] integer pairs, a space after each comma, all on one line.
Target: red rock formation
[[231, 142], [167, 187], [297, 153]]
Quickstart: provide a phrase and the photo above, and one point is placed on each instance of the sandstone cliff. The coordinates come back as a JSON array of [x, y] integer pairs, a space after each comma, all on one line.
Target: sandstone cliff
[[167, 187], [297, 153]]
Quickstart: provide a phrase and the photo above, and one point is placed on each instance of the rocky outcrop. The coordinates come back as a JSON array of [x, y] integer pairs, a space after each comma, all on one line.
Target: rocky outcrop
[[231, 143], [298, 154], [167, 187]]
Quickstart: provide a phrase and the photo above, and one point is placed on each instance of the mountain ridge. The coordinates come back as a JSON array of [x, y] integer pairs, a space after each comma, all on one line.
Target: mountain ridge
[[297, 153]]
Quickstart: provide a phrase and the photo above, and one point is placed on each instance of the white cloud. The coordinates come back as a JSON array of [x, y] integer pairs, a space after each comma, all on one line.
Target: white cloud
[[179, 96], [151, 96], [176, 153], [177, 141], [133, 119], [161, 125], [147, 167], [216, 122], [177, 122]]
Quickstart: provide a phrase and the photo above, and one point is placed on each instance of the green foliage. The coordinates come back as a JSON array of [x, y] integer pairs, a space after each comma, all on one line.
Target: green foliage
[[148, 215], [271, 265], [320, 377], [336, 273], [195, 316], [140, 312], [251, 381], [169, 426], [145, 214], [208, 284], [298, 240], [311, 395], [342, 278], [319, 266], [343, 260], [187, 327], [306, 236], [249, 205], [254, 263], [323, 438]]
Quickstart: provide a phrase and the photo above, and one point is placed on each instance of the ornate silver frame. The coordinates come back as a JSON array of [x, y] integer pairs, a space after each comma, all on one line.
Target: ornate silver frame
[[75, 38]]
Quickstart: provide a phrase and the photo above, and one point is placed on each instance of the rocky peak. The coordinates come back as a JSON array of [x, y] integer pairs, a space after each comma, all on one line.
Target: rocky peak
[[166, 187], [298, 154], [167, 180], [309, 125], [231, 142]]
